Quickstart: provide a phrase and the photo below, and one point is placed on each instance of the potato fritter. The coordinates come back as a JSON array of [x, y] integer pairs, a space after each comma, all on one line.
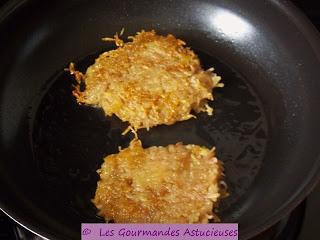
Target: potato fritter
[[150, 81], [174, 184]]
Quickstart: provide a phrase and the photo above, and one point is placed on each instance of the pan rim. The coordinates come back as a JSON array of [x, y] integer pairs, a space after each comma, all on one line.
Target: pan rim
[[310, 33], [313, 36]]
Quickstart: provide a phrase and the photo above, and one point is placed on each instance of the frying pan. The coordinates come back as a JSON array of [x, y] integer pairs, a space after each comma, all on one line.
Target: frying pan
[[265, 126]]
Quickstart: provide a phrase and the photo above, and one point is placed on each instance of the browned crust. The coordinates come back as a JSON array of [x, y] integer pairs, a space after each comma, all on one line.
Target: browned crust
[[150, 81], [174, 184]]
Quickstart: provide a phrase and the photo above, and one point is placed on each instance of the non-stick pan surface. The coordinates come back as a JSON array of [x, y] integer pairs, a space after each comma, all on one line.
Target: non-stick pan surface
[[265, 127]]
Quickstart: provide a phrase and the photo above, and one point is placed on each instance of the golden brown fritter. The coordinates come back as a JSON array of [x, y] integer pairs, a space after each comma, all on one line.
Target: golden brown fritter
[[150, 81], [174, 184]]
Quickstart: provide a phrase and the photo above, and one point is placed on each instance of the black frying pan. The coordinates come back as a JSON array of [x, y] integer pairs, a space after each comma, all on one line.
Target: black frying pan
[[266, 123]]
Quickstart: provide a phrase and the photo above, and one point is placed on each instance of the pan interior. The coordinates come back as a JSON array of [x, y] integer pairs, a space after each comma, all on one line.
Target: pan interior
[[70, 141], [266, 123]]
